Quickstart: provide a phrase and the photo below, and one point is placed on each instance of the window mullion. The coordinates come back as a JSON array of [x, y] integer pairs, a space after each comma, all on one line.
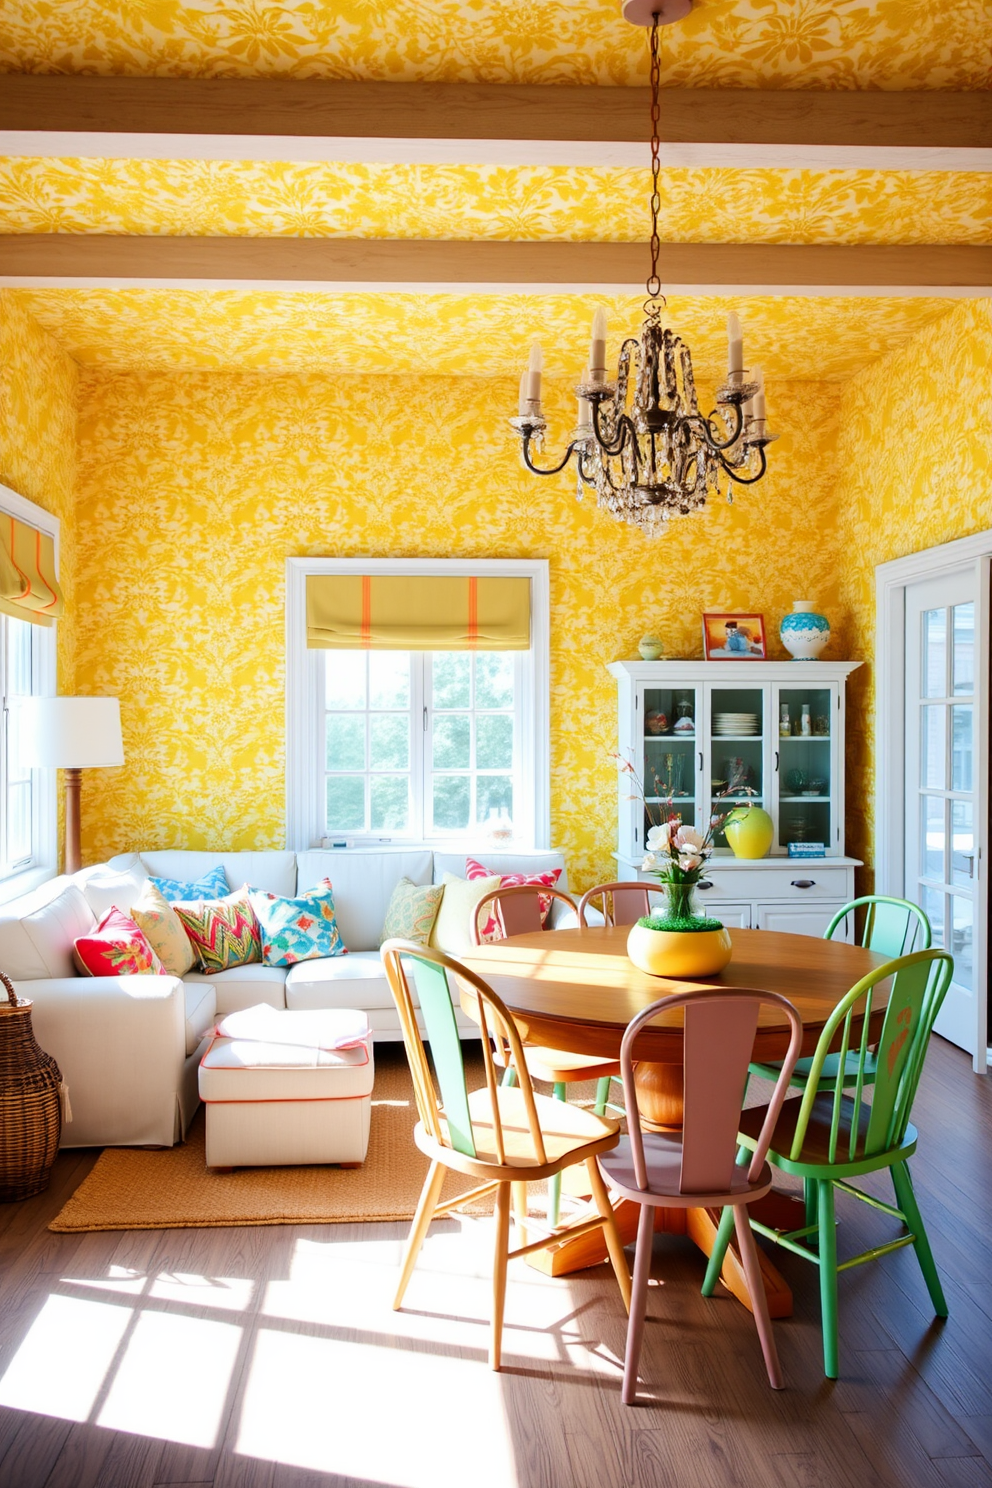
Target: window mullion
[[420, 752]]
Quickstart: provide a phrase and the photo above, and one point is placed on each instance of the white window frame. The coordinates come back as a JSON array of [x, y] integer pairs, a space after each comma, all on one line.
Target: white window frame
[[305, 695], [44, 827]]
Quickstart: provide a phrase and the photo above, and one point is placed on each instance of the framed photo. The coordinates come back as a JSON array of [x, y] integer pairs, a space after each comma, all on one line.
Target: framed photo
[[734, 637]]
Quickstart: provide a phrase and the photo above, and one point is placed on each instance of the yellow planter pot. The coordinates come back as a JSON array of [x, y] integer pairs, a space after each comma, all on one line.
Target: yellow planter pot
[[681, 954], [750, 832]]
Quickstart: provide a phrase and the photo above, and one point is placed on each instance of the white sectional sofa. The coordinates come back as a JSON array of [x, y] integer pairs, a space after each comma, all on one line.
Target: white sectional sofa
[[129, 1047]]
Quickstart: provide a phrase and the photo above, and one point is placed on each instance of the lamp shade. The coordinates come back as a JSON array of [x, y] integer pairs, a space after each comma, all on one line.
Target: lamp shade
[[69, 733]]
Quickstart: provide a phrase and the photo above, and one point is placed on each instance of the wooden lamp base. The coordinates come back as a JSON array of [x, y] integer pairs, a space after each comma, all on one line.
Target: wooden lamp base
[[73, 857]]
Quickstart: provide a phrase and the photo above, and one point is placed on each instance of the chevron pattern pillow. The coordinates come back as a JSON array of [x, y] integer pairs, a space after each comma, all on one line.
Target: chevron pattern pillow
[[223, 932]]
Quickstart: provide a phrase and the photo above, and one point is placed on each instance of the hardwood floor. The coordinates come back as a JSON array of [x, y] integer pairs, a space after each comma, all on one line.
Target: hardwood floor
[[271, 1358]]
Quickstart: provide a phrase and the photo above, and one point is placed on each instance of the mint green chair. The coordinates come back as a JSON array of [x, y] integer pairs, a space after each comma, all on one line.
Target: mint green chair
[[893, 927], [829, 1138]]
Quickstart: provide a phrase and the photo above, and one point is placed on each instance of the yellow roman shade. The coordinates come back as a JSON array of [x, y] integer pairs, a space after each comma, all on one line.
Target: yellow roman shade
[[417, 612], [29, 589]]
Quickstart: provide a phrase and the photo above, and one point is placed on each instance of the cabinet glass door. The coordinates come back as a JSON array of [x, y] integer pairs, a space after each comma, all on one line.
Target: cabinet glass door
[[670, 755], [737, 751], [805, 725]]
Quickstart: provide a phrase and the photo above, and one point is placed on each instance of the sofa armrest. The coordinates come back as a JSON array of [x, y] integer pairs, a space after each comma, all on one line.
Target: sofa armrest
[[120, 1043]]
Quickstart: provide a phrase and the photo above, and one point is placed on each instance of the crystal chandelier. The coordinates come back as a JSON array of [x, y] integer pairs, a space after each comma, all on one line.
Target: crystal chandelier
[[640, 441]]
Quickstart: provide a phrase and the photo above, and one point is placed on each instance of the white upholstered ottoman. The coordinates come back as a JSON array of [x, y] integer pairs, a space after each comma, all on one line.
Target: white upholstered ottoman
[[283, 1087]]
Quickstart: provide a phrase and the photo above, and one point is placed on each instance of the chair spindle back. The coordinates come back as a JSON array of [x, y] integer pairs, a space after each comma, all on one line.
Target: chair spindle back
[[518, 908], [623, 903], [893, 927]]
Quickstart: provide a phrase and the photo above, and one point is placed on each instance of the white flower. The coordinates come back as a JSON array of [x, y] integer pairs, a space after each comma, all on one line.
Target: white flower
[[650, 862], [689, 861], [689, 837], [659, 837]]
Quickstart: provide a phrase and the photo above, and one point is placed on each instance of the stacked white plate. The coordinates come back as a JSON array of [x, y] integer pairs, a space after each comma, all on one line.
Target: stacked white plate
[[740, 725]]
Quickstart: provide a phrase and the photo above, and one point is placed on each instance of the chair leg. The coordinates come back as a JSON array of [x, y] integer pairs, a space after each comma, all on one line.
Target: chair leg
[[554, 1184], [500, 1256], [602, 1095], [719, 1252], [426, 1204], [519, 1192], [638, 1302], [612, 1235], [828, 1275], [902, 1182], [759, 1299], [809, 1198]]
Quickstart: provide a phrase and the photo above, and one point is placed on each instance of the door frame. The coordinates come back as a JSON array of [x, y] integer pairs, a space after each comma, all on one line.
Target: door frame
[[891, 582]]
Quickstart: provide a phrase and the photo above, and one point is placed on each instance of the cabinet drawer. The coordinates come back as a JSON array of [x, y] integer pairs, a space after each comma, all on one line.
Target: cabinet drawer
[[811, 918], [819, 880]]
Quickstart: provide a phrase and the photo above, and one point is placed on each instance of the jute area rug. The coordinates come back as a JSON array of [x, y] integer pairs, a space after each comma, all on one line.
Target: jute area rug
[[133, 1188]]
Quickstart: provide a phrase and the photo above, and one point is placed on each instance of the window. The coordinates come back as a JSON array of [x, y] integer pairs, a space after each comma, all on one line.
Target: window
[[416, 746], [27, 797]]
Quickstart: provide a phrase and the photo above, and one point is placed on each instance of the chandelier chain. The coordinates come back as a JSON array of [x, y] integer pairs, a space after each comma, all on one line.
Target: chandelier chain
[[653, 284]]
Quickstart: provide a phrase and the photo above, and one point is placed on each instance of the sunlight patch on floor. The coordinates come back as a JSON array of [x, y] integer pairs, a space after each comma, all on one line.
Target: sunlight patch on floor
[[173, 1380], [60, 1367]]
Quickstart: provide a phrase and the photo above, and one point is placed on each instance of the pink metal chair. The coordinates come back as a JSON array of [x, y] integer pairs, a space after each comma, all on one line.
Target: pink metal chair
[[696, 1168], [623, 903]]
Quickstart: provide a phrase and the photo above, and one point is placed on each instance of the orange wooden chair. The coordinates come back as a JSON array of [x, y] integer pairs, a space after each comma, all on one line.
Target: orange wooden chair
[[623, 903]]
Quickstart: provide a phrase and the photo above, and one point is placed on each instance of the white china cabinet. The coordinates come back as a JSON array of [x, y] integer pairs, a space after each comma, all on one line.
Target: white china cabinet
[[709, 736]]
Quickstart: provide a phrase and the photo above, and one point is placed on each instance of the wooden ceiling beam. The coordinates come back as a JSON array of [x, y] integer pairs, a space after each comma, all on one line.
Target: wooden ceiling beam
[[494, 267], [230, 117]]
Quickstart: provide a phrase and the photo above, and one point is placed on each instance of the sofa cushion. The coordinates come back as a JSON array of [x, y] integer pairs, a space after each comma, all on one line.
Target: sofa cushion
[[363, 883], [116, 947], [244, 986], [201, 1011], [38, 932], [298, 929], [274, 871], [357, 980], [105, 888]]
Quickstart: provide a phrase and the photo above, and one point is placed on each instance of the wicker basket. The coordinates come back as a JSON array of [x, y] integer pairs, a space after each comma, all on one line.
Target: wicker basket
[[30, 1102]]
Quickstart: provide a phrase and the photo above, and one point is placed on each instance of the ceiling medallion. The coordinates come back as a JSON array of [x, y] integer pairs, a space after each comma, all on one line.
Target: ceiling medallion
[[640, 441]]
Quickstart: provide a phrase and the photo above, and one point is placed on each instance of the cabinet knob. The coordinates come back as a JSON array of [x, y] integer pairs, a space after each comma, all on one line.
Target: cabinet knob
[[804, 883], [705, 883]]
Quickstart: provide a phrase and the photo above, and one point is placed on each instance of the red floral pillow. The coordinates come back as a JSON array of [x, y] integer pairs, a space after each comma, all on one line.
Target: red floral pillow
[[492, 929], [117, 948]]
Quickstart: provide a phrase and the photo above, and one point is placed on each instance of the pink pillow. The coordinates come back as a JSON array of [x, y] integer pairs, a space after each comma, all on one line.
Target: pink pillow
[[117, 948], [492, 929]]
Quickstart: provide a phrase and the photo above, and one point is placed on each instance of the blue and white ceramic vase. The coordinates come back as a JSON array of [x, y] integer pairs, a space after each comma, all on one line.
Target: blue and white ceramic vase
[[804, 633]]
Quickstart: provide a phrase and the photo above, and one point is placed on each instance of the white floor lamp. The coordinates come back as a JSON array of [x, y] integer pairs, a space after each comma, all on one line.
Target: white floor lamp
[[71, 734]]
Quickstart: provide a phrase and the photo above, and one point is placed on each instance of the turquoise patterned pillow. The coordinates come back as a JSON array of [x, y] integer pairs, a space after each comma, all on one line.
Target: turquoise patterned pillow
[[412, 911], [212, 885], [298, 929]]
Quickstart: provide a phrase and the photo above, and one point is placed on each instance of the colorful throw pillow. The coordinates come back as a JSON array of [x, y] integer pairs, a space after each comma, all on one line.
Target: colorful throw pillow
[[163, 929], [412, 911], [492, 929], [223, 932], [116, 948], [452, 931], [212, 885], [298, 929]]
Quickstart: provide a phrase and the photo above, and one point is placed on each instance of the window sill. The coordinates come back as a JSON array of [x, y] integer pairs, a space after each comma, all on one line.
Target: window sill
[[23, 883]]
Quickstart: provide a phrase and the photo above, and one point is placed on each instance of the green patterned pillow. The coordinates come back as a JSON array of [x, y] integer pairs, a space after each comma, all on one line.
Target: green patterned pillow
[[223, 932], [412, 911]]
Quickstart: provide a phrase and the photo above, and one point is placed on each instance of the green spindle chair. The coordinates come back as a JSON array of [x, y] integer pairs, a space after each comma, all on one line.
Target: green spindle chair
[[893, 927], [503, 1136], [828, 1138]]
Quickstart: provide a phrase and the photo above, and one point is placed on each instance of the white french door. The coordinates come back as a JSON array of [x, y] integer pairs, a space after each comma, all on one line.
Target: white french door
[[945, 695]]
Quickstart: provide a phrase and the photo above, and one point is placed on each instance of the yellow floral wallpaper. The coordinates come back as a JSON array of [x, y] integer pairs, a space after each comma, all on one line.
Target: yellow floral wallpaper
[[914, 467], [725, 43], [193, 489], [251, 198], [38, 383], [791, 338]]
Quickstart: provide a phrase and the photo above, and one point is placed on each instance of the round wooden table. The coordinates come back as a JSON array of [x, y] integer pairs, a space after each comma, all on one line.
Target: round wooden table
[[577, 990]]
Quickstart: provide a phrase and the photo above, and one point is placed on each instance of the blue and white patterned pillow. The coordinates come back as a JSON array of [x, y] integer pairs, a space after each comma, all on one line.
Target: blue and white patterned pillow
[[298, 929], [212, 885]]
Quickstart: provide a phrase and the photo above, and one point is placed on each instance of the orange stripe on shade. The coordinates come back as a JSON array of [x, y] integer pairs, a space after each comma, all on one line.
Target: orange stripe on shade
[[473, 614], [41, 573], [366, 634]]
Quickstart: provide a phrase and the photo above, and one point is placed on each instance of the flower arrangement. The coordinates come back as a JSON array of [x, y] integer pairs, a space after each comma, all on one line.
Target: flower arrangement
[[674, 854]]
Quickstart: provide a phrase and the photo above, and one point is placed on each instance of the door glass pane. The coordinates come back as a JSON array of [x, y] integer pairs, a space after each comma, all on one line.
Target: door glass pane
[[964, 647], [962, 843], [935, 653], [961, 773], [669, 754], [933, 765], [932, 846], [346, 803], [932, 904], [344, 679], [737, 721], [389, 679], [962, 912]]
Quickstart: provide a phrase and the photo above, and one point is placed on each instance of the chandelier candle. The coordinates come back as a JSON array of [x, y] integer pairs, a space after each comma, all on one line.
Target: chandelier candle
[[641, 442], [523, 403]]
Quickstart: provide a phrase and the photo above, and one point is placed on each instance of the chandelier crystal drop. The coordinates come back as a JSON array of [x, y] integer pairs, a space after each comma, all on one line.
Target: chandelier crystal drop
[[640, 441]]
